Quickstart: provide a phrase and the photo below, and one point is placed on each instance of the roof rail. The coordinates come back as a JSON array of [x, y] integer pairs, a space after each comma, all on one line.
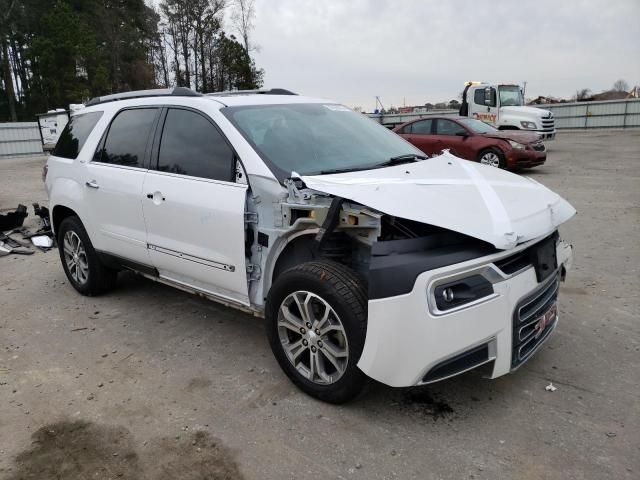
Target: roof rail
[[156, 92], [273, 91]]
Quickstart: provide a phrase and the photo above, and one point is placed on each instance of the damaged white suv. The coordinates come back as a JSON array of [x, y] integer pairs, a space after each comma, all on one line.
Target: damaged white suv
[[365, 258]]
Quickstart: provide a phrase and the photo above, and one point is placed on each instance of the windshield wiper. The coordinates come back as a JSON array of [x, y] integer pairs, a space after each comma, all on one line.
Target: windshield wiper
[[344, 170], [399, 159]]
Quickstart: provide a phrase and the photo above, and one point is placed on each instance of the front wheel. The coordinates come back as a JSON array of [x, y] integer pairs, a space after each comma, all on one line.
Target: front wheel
[[492, 157], [316, 317]]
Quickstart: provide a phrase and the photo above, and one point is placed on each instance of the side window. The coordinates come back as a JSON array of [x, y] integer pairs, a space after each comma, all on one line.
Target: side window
[[478, 96], [75, 134], [127, 137], [191, 145], [423, 127], [447, 127]]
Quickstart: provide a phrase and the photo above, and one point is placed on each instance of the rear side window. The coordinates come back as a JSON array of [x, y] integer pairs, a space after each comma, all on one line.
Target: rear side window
[[423, 127], [127, 138], [191, 145], [75, 134]]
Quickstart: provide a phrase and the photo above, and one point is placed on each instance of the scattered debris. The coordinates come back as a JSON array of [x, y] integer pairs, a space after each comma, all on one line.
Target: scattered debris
[[611, 434], [6, 249], [13, 219], [12, 222], [42, 241], [79, 328], [550, 387]]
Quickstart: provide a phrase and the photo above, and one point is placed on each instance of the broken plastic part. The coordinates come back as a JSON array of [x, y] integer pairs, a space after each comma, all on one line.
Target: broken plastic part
[[13, 219], [42, 241]]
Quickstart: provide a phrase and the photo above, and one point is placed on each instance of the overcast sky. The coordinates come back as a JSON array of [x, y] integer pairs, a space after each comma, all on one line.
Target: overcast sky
[[422, 51]]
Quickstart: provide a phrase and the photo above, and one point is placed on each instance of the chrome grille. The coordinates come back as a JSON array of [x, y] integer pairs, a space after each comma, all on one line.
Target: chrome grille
[[526, 317], [548, 124]]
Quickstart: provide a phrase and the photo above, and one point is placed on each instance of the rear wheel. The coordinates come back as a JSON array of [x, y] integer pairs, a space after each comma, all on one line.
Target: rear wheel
[[492, 157], [316, 324], [80, 261]]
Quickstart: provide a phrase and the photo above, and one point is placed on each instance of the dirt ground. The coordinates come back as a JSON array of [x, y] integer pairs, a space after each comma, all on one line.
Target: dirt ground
[[152, 383]]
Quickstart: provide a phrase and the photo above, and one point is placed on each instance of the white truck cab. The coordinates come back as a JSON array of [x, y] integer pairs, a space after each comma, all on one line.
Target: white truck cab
[[503, 106], [366, 258]]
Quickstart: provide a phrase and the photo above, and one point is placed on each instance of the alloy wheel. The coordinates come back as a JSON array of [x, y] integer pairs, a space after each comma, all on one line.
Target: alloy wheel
[[313, 337], [491, 159], [75, 256]]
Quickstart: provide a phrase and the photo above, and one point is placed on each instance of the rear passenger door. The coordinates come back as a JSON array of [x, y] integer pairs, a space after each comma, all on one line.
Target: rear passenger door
[[420, 134], [113, 185], [194, 210]]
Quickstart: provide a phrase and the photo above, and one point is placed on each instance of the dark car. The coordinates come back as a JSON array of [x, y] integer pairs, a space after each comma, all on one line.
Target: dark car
[[475, 140]]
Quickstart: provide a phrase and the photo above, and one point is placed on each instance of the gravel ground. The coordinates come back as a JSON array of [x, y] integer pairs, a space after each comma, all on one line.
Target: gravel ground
[[152, 383]]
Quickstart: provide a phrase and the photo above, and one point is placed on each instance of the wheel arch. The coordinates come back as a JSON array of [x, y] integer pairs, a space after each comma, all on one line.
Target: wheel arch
[[58, 214], [293, 250]]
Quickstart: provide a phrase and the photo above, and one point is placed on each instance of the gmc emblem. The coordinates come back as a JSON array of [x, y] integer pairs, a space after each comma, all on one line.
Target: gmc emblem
[[547, 318]]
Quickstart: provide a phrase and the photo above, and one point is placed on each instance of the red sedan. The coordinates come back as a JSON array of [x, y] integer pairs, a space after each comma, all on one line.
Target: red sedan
[[475, 140]]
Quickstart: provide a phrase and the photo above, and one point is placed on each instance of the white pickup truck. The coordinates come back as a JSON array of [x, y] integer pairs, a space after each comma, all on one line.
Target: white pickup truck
[[502, 105]]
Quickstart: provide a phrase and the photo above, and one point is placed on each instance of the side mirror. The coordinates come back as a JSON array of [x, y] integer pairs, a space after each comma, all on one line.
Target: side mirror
[[462, 134]]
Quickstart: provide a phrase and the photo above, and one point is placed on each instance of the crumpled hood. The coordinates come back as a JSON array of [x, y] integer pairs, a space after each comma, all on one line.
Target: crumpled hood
[[515, 135], [484, 202]]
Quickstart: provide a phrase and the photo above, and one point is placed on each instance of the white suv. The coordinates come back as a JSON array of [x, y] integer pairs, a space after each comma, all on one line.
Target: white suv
[[365, 258]]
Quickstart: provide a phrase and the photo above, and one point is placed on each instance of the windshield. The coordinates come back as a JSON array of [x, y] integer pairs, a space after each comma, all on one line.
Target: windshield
[[476, 126], [511, 96], [313, 138]]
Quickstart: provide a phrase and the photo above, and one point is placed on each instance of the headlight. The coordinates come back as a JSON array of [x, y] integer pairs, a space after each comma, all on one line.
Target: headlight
[[528, 125], [516, 145], [460, 292]]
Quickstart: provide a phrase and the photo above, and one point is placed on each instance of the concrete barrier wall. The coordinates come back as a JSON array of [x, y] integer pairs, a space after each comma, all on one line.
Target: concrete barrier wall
[[20, 138]]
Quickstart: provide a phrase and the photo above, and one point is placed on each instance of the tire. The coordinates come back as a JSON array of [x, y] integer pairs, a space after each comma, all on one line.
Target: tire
[[344, 330], [89, 276], [492, 157]]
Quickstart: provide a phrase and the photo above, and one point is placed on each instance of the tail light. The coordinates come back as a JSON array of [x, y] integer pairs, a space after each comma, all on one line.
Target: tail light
[[45, 169]]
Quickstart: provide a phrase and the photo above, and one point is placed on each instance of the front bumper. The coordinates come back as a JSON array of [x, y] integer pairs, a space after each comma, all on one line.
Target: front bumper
[[546, 134], [408, 340], [525, 158]]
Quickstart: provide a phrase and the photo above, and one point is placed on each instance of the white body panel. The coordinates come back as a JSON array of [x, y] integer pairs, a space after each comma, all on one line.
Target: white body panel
[[114, 207], [195, 232], [493, 205], [405, 340]]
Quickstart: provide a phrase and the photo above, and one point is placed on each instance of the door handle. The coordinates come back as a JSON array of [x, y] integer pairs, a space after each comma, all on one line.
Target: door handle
[[92, 184]]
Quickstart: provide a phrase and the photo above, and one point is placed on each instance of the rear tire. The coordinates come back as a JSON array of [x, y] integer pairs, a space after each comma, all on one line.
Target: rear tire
[[492, 157], [80, 262], [332, 300]]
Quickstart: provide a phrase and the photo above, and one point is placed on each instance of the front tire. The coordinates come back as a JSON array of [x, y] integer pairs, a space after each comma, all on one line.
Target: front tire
[[492, 157], [316, 317], [80, 261]]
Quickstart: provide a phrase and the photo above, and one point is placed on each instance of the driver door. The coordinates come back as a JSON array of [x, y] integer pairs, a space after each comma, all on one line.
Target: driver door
[[486, 106]]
